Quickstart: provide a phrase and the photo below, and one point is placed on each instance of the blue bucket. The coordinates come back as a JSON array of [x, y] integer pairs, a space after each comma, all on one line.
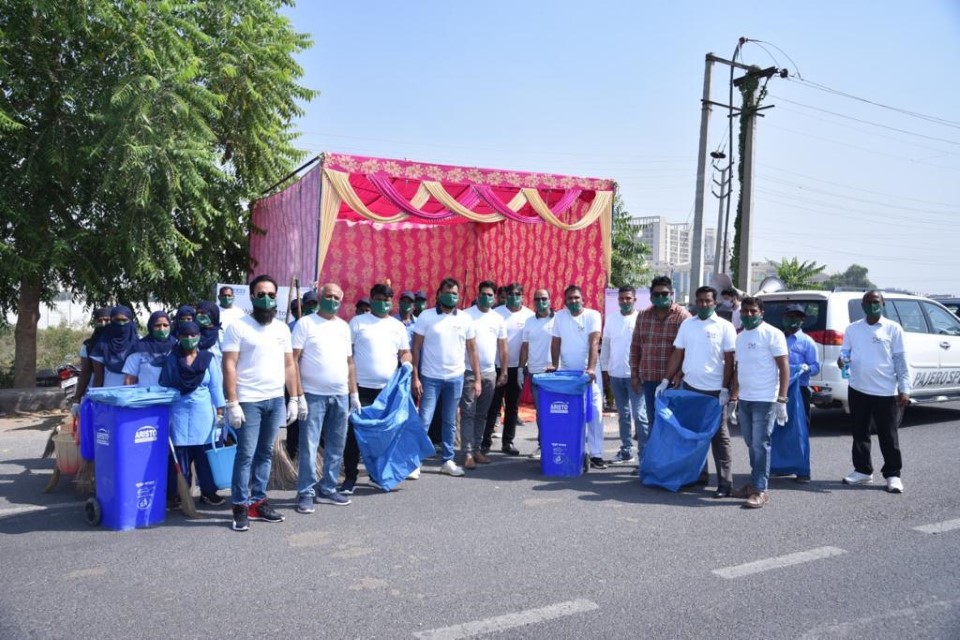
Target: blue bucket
[[221, 460]]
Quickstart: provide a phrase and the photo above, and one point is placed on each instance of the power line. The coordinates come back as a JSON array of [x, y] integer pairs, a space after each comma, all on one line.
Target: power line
[[878, 203]]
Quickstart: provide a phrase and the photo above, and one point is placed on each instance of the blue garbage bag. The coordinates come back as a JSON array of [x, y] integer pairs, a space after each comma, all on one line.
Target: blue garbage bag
[[790, 443], [390, 434], [133, 396], [679, 439]]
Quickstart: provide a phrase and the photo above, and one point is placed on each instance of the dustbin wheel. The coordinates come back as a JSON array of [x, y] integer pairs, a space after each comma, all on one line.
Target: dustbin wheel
[[91, 509]]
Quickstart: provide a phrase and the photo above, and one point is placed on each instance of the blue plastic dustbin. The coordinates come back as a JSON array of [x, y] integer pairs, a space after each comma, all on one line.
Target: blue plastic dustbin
[[131, 429], [564, 409]]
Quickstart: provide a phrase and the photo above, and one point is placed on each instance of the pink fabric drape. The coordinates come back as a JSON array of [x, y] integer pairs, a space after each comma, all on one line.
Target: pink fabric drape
[[384, 184]]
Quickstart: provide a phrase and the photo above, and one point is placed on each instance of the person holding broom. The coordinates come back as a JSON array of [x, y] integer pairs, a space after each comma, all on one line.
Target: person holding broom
[[193, 416], [257, 363]]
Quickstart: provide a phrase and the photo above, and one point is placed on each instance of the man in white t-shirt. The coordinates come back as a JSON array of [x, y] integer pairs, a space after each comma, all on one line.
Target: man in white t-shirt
[[491, 341], [615, 364], [440, 337], [535, 347], [514, 315], [703, 350], [257, 363], [575, 347], [322, 348], [760, 383], [379, 342], [229, 312], [879, 389]]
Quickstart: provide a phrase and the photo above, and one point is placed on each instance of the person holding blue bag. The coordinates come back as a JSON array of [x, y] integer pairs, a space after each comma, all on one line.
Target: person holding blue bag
[[803, 358], [195, 413]]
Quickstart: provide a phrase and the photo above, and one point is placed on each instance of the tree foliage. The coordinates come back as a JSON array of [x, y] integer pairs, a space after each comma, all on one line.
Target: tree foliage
[[854, 276], [134, 133], [799, 275], [629, 260]]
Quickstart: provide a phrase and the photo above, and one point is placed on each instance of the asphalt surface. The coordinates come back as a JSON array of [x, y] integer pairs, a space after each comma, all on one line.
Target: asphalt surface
[[506, 553]]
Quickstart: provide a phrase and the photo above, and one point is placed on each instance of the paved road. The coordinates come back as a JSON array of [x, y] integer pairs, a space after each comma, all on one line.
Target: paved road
[[506, 553]]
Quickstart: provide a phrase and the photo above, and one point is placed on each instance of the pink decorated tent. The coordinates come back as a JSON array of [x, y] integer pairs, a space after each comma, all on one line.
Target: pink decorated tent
[[357, 221]]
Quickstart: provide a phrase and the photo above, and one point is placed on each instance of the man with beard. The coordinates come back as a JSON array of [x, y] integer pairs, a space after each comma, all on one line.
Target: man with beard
[[257, 364]]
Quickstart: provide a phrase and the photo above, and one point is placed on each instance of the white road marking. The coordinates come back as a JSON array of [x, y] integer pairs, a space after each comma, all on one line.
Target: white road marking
[[778, 562], [939, 527], [15, 511], [508, 621], [854, 628]]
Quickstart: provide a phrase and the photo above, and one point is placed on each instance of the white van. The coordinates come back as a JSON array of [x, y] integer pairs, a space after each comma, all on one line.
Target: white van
[[931, 336]]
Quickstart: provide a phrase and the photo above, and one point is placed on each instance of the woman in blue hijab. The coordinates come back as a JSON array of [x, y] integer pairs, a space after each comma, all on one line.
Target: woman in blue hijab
[[195, 413], [185, 313], [143, 366], [208, 319], [118, 340]]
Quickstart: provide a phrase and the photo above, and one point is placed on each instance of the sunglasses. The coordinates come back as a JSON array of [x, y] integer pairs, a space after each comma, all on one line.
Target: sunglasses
[[264, 294], [660, 295], [542, 299]]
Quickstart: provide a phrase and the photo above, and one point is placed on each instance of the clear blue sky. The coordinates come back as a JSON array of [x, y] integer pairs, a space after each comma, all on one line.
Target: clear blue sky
[[611, 89]]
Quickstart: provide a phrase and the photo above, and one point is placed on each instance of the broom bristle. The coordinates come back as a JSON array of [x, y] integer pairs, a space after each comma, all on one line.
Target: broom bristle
[[54, 481], [283, 473], [86, 477], [187, 505]]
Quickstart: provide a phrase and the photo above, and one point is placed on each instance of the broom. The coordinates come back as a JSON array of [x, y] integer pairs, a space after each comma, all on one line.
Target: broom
[[183, 489], [283, 473]]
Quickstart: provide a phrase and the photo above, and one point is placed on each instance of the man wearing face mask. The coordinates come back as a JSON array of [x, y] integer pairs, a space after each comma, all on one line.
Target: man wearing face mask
[[730, 299], [379, 341], [229, 312], [704, 349], [491, 341], [615, 364], [803, 352], [535, 347], [257, 364], [575, 347], [440, 338], [405, 312], [515, 316], [879, 389], [322, 347], [652, 344], [419, 303]]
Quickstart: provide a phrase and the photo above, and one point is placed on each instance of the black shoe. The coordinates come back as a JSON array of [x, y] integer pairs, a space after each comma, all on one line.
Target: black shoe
[[240, 520], [347, 488], [213, 499], [485, 449], [704, 479], [723, 491], [597, 463], [510, 450], [263, 511]]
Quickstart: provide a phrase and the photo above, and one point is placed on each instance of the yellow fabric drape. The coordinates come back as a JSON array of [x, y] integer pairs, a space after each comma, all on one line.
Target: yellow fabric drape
[[606, 237], [602, 202], [329, 210], [440, 195], [341, 184]]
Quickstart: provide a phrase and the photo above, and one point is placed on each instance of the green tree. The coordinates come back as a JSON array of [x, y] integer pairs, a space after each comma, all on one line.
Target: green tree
[[629, 259], [134, 133], [799, 275], [854, 276]]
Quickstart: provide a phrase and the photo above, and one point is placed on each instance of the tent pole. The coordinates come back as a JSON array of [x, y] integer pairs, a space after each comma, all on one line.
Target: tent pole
[[292, 173]]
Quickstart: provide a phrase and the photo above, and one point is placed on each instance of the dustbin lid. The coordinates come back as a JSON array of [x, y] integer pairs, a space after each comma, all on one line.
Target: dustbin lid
[[570, 382], [133, 396]]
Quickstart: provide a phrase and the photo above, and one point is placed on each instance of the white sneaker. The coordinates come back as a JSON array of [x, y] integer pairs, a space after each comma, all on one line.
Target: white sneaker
[[414, 475], [856, 477], [451, 469], [535, 455], [894, 485]]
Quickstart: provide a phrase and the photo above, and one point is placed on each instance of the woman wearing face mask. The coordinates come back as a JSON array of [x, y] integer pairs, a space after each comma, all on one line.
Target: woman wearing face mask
[[185, 313], [101, 318], [208, 319], [110, 352], [143, 366], [193, 415]]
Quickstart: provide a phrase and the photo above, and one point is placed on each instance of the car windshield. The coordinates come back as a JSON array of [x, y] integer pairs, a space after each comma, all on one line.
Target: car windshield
[[816, 311]]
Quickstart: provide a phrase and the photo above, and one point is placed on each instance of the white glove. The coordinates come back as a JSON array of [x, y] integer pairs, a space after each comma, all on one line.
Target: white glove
[[301, 408], [355, 402], [75, 409], [235, 417], [406, 364], [781, 413], [732, 416], [724, 397], [661, 387], [292, 410], [804, 368]]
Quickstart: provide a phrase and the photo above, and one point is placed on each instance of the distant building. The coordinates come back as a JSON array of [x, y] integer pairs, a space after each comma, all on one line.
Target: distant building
[[670, 247]]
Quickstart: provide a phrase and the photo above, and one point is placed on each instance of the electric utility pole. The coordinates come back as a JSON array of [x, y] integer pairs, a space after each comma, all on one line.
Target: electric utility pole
[[719, 255], [696, 242]]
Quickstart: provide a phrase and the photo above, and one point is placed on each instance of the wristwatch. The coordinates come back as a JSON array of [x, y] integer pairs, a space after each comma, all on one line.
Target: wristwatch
[[781, 398]]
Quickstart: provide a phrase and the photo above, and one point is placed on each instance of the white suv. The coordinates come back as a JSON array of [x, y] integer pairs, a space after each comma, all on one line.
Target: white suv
[[931, 336]]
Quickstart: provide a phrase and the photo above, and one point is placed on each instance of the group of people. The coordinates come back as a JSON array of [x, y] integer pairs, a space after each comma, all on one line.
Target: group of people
[[255, 374]]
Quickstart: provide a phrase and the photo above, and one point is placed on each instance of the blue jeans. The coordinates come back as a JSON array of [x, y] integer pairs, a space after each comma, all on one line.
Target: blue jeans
[[262, 422], [327, 417], [649, 390], [756, 425], [631, 412], [449, 391]]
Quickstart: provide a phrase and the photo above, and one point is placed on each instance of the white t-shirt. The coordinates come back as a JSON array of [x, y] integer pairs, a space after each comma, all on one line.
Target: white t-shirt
[[377, 343], [615, 348], [489, 329], [229, 316], [872, 347], [704, 342], [757, 372], [445, 338], [574, 334], [514, 322], [326, 345], [538, 334], [261, 370]]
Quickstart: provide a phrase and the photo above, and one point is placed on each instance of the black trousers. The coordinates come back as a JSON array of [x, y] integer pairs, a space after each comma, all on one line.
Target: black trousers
[[886, 415], [351, 450], [807, 395], [720, 445], [508, 396]]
